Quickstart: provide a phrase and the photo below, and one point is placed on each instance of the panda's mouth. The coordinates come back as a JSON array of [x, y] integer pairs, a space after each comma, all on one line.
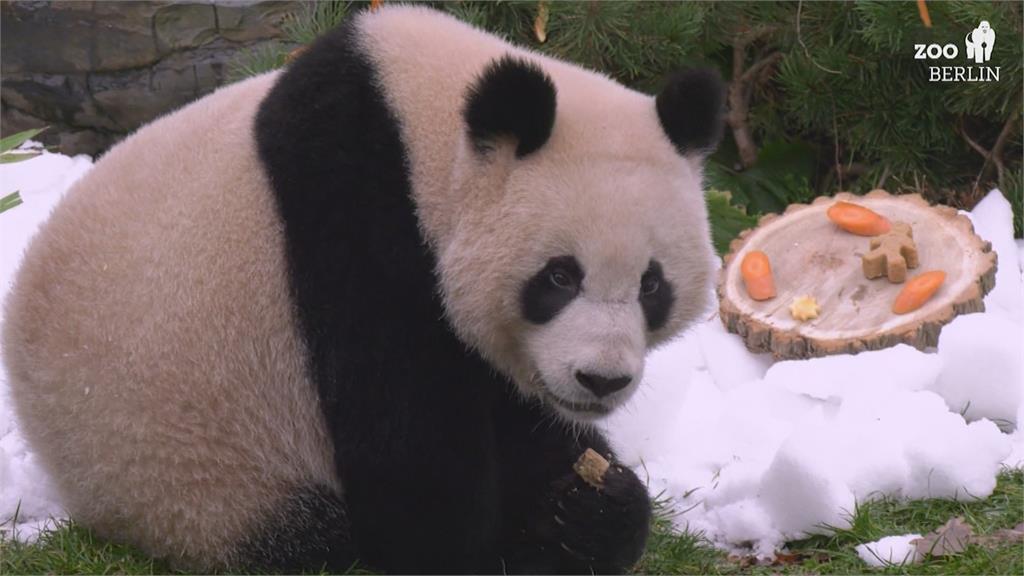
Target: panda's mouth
[[588, 408]]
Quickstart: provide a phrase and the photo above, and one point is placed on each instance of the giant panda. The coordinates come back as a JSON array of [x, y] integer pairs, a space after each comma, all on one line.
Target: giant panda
[[368, 309]]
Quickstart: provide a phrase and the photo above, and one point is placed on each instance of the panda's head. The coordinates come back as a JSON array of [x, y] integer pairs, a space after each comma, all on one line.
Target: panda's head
[[580, 238]]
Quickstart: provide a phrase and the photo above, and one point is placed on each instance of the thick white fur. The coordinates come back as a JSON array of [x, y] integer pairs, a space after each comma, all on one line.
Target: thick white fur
[[608, 187], [149, 338]]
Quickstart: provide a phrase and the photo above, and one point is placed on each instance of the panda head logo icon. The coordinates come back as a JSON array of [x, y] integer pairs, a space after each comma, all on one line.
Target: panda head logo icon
[[980, 41]]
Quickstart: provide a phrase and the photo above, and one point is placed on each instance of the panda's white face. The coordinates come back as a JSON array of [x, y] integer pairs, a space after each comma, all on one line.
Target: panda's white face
[[580, 236], [620, 261], [579, 265]]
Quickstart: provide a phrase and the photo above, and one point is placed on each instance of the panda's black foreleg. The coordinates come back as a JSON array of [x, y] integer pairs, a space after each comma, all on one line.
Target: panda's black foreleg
[[580, 529], [558, 523], [308, 530]]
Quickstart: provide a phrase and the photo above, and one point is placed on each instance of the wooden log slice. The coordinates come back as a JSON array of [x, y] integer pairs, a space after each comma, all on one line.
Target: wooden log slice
[[810, 255]]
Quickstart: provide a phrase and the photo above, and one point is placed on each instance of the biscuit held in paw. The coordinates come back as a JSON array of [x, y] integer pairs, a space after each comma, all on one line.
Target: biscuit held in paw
[[591, 466], [891, 254]]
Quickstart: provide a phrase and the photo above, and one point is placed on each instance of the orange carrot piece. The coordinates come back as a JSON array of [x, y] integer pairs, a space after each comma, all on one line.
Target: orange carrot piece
[[857, 219], [757, 275], [917, 291], [922, 11]]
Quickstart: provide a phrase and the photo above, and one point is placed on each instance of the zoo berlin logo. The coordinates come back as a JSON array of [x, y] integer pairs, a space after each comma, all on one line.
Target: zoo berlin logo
[[979, 43]]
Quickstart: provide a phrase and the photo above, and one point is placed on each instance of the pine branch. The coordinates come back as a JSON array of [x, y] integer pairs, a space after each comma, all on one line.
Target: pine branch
[[883, 177], [800, 39], [970, 142], [1001, 141], [993, 157], [740, 90], [751, 35], [756, 67]]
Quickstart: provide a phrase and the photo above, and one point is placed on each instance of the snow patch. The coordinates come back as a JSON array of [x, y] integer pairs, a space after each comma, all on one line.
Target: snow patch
[[983, 375], [727, 357], [993, 221], [890, 551], [25, 489], [41, 182]]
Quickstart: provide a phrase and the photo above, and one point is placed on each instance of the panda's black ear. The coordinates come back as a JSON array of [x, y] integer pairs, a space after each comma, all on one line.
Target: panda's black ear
[[690, 108], [513, 97]]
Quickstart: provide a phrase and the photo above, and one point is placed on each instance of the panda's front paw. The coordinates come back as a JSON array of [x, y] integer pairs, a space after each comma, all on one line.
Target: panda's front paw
[[600, 530]]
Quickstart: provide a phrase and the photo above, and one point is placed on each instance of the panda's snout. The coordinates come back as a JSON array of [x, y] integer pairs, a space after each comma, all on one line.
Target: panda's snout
[[600, 385]]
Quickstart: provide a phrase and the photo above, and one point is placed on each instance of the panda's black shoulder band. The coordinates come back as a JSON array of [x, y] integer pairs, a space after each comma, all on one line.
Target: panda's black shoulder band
[[690, 109], [512, 97]]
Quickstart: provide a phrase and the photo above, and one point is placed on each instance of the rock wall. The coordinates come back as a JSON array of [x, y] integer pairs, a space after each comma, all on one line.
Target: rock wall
[[95, 71]]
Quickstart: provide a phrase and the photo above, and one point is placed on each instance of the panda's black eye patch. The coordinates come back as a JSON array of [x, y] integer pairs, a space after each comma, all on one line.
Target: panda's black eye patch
[[656, 296], [551, 289]]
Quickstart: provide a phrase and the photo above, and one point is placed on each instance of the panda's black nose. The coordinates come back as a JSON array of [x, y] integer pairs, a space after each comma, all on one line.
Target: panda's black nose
[[602, 385]]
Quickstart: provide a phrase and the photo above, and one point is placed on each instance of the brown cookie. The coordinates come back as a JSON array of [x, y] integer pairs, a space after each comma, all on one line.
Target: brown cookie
[[891, 254]]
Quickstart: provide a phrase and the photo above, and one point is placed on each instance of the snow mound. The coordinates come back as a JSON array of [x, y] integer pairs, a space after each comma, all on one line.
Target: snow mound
[[993, 221], [890, 551], [983, 376], [754, 453], [25, 489]]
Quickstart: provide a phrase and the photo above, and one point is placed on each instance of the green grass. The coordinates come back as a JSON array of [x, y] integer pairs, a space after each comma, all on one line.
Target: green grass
[[669, 553], [72, 549]]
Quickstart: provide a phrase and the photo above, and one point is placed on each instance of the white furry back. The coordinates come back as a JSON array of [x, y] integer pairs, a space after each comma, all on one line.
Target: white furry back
[[153, 355]]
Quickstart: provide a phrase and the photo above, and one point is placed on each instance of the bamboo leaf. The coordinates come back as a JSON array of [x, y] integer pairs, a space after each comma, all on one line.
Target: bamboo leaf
[[10, 201], [11, 158], [15, 140]]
